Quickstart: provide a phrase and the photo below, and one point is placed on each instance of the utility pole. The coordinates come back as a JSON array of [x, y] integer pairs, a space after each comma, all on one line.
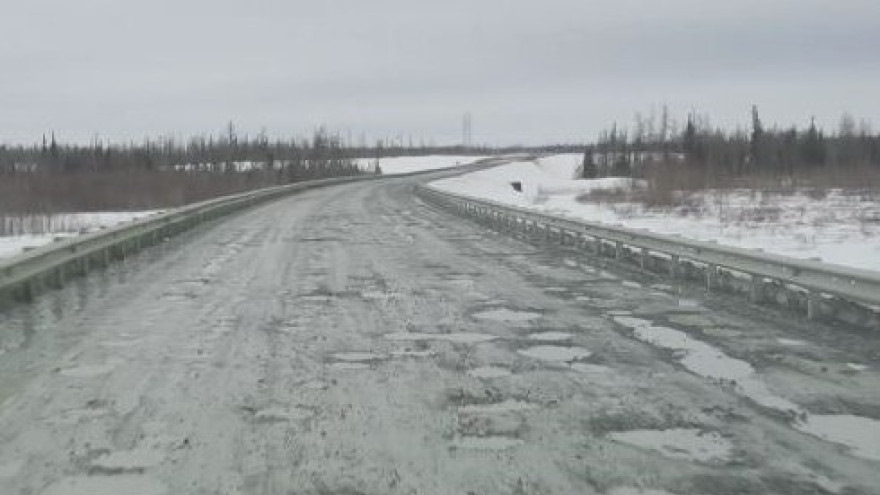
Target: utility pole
[[467, 133]]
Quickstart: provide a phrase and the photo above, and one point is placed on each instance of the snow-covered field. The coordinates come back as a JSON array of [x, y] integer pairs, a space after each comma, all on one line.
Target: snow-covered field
[[32, 231], [835, 227], [407, 164]]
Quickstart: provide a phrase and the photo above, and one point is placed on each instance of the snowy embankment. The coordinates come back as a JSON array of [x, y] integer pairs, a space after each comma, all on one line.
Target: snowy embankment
[[407, 164], [835, 227], [32, 231]]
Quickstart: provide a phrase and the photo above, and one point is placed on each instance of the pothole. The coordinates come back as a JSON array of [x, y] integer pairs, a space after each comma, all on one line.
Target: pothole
[[555, 353], [126, 461], [551, 336], [456, 338], [589, 368], [91, 370], [410, 353], [358, 357], [859, 434], [349, 366], [681, 443], [486, 443], [505, 315], [489, 372], [496, 408], [95, 485], [280, 414]]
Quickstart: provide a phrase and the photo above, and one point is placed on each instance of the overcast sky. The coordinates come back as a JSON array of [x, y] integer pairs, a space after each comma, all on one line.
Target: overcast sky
[[529, 71]]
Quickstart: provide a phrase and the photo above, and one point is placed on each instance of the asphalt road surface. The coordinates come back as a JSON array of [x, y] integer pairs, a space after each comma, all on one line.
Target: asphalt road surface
[[354, 340]]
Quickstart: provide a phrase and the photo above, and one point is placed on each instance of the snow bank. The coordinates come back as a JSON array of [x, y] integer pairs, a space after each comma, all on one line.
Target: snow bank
[[407, 164], [33, 231], [542, 181], [838, 228]]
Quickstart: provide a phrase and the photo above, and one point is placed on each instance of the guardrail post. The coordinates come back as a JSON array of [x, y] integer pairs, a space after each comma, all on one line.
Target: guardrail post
[[644, 254], [756, 290], [711, 276], [813, 305], [618, 250], [673, 266]]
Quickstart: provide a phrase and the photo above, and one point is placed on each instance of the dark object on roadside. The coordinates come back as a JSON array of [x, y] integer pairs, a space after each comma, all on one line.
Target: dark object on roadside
[[517, 186]]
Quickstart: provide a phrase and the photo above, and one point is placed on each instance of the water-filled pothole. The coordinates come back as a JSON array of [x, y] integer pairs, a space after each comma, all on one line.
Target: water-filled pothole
[[550, 336], [555, 353], [126, 461], [861, 435], [679, 443], [505, 315], [456, 338]]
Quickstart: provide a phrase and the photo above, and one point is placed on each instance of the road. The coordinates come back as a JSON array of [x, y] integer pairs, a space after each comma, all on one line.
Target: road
[[354, 340]]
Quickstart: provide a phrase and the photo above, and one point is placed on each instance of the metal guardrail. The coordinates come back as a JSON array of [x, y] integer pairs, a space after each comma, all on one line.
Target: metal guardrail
[[817, 282], [25, 275]]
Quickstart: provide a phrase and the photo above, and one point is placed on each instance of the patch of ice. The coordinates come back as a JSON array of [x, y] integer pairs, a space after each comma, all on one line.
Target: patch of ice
[[555, 353], [679, 443]]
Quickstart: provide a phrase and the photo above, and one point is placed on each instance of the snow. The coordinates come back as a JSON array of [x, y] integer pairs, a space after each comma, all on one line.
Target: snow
[[33, 231], [408, 164], [836, 227]]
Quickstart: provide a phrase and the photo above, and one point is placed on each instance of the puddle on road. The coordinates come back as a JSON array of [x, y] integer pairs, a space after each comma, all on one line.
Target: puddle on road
[[555, 353], [708, 361], [861, 435], [505, 315], [680, 443], [486, 443], [551, 336], [489, 372], [106, 485], [127, 461], [632, 285], [455, 338], [91, 370], [856, 366], [791, 342]]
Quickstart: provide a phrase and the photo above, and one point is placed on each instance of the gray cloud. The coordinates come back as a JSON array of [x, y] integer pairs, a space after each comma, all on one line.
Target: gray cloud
[[528, 71]]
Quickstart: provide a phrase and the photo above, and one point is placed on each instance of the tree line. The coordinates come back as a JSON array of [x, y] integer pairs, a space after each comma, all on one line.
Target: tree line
[[714, 156]]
